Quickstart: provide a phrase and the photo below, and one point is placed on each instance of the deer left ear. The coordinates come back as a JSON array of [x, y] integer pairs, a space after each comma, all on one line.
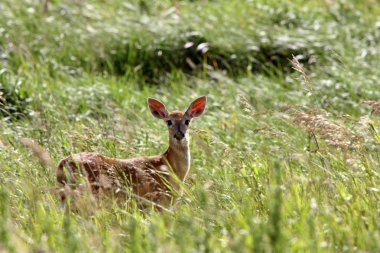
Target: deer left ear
[[197, 107], [157, 108]]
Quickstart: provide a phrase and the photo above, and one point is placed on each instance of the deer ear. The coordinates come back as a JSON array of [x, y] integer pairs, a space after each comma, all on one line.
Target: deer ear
[[197, 107], [157, 108]]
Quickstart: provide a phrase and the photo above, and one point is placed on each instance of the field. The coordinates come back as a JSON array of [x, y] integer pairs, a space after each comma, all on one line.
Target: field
[[285, 158]]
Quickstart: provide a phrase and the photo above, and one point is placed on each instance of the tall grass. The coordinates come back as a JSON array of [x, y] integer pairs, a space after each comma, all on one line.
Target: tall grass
[[283, 159]]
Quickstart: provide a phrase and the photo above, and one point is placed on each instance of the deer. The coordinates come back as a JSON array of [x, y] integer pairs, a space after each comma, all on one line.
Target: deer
[[150, 178]]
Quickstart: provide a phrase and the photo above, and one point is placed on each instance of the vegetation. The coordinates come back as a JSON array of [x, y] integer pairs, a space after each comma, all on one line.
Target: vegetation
[[286, 157]]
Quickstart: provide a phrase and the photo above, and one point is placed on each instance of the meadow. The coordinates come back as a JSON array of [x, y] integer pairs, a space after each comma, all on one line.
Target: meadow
[[285, 158]]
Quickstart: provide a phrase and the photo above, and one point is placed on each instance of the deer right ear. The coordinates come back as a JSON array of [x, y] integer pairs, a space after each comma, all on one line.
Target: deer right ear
[[197, 107], [157, 108]]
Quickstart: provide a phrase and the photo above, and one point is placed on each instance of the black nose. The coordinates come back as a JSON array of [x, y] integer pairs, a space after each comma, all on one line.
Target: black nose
[[179, 135]]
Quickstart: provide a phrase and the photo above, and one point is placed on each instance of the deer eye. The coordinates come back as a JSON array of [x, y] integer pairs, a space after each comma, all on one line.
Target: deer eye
[[187, 122], [169, 122]]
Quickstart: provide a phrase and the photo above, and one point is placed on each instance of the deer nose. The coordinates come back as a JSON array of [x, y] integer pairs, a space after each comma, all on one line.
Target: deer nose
[[179, 135]]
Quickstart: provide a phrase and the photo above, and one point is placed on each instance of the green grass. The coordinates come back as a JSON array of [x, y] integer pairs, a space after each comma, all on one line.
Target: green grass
[[262, 179]]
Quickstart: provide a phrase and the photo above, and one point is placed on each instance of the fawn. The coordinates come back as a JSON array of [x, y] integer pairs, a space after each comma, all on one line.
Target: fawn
[[150, 178]]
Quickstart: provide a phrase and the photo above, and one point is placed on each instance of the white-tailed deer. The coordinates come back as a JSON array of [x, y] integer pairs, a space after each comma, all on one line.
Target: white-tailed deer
[[150, 178]]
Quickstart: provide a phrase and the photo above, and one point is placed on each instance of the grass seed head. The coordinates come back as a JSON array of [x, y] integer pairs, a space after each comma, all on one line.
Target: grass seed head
[[332, 133], [297, 66], [42, 155]]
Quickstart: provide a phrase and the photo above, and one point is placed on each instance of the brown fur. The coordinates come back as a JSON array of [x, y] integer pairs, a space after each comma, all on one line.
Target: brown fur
[[152, 178], [110, 176], [178, 115]]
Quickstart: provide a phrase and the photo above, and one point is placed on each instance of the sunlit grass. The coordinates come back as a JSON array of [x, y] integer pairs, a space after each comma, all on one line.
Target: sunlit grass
[[271, 168]]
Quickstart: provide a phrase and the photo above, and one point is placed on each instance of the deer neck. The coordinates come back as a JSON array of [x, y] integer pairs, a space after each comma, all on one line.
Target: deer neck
[[178, 156]]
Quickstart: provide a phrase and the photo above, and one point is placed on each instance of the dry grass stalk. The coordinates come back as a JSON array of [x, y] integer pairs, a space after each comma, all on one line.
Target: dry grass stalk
[[249, 108], [375, 105], [332, 133], [297, 66], [263, 128], [2, 145], [215, 140], [42, 155], [2, 98]]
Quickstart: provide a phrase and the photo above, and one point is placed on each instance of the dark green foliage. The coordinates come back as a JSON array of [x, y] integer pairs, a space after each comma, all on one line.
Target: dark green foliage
[[13, 100]]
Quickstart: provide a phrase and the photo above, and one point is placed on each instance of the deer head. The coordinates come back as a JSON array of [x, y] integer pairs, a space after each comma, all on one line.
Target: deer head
[[177, 121]]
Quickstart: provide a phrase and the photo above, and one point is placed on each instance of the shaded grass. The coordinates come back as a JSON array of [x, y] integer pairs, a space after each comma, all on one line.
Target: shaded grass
[[161, 37], [13, 101]]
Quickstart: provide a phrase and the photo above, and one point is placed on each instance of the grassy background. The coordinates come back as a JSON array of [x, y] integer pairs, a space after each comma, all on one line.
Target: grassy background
[[278, 164]]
